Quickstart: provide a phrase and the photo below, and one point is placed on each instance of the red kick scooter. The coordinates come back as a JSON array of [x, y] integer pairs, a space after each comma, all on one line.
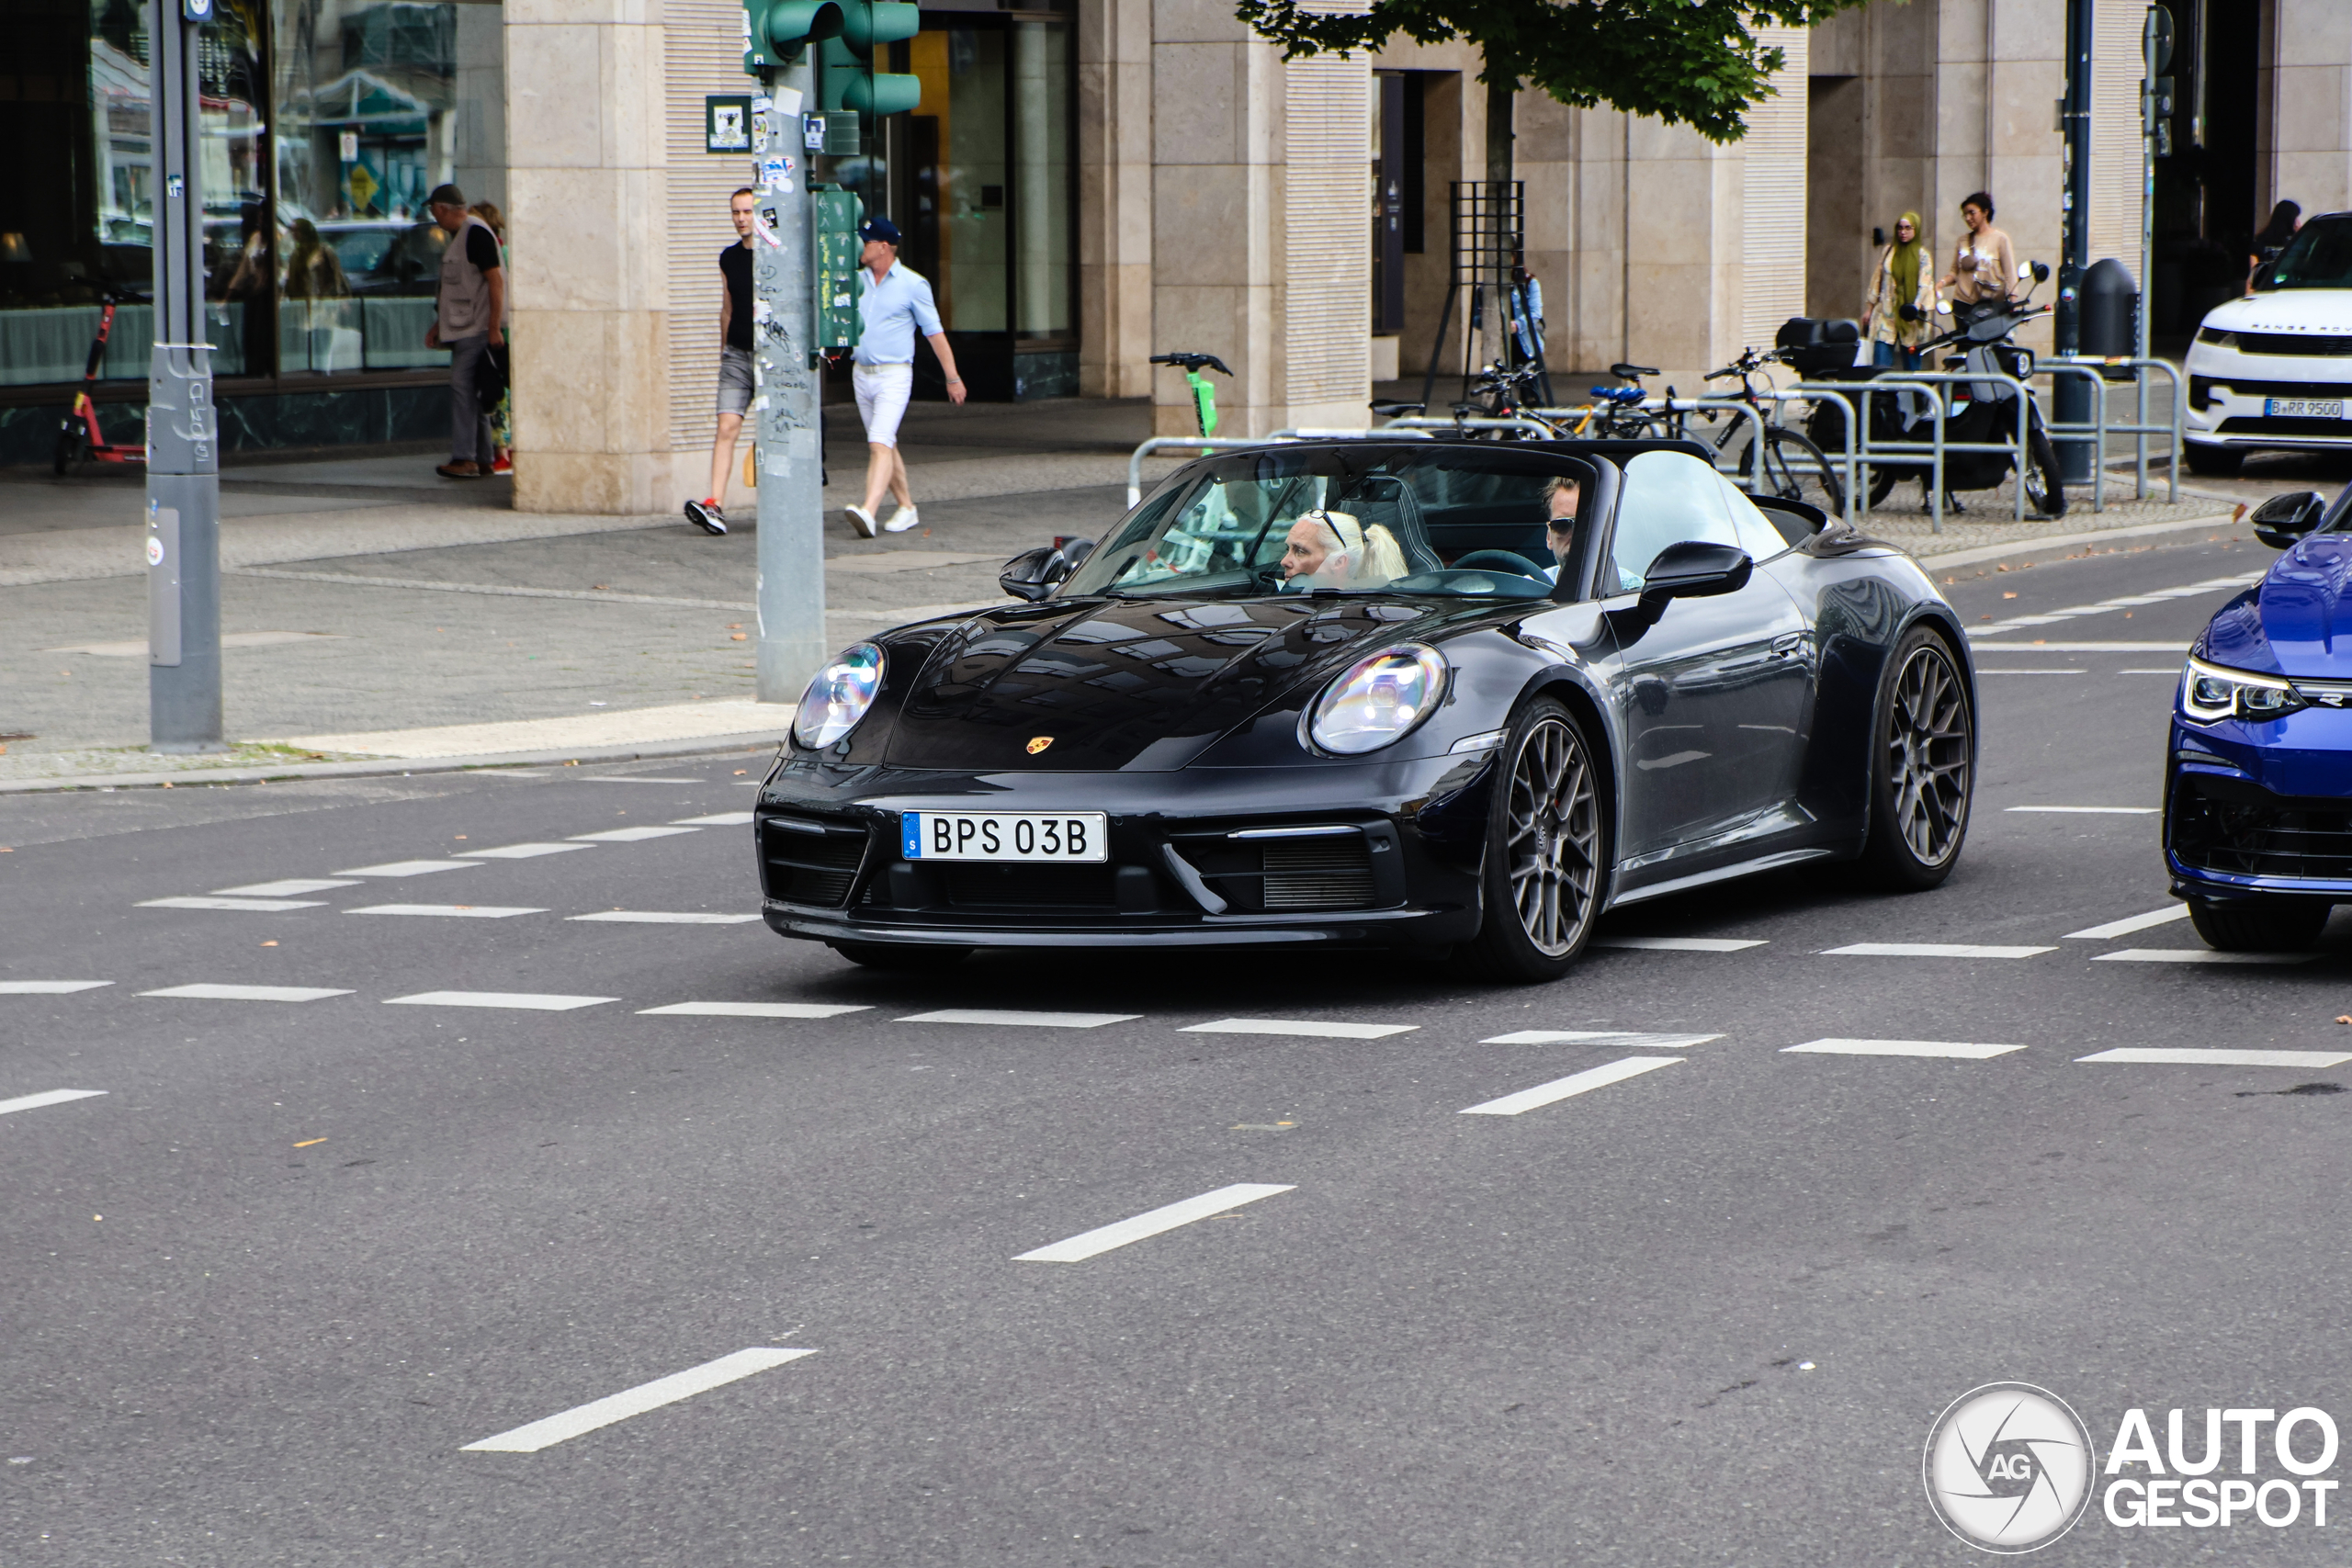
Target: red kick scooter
[[79, 439]]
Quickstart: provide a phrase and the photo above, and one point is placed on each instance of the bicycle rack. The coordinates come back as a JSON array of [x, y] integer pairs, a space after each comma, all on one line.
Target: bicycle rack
[[2099, 429], [1804, 392], [1933, 382], [1207, 443], [1534, 427]]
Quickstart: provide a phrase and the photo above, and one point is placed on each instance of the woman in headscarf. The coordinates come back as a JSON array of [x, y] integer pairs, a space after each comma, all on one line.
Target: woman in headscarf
[[1333, 549], [1903, 297], [2285, 219]]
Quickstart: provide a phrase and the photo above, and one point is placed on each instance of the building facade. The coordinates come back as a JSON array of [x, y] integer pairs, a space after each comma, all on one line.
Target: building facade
[[1087, 182]]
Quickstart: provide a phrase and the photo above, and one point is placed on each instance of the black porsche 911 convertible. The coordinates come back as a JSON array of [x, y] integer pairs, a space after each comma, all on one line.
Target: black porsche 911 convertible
[[1339, 692]]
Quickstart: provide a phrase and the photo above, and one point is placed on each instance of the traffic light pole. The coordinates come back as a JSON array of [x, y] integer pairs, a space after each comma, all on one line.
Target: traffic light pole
[[183, 430], [792, 643], [2071, 396]]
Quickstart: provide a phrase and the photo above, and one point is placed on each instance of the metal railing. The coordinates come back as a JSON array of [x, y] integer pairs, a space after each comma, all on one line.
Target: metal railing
[[1207, 443], [1933, 382], [2099, 429]]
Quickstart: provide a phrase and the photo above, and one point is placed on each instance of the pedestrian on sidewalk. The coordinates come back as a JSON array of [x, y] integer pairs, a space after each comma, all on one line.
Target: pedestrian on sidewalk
[[469, 311], [2285, 219], [1985, 263], [1903, 297], [735, 366], [893, 303], [501, 409]]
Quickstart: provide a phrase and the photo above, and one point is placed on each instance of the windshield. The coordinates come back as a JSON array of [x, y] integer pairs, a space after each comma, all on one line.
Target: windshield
[[1308, 520], [2320, 256]]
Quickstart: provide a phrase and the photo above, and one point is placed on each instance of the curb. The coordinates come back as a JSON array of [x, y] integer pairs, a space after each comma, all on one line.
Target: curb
[[377, 768], [2054, 541]]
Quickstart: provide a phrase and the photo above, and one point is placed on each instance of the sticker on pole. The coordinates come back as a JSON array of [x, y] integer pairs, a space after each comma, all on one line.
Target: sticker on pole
[[155, 550]]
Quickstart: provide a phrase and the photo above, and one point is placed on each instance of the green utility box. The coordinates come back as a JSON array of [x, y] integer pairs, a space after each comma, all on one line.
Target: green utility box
[[837, 217]]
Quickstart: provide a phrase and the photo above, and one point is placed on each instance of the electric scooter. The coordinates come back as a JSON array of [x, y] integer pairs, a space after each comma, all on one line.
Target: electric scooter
[[79, 438], [1203, 395]]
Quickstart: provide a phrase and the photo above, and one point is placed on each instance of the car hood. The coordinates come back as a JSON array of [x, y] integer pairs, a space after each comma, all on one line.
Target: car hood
[[2294, 622], [2286, 310], [1141, 684]]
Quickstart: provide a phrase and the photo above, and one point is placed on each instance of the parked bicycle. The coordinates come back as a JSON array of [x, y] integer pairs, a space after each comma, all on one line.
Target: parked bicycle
[[1617, 413], [1793, 467], [80, 438]]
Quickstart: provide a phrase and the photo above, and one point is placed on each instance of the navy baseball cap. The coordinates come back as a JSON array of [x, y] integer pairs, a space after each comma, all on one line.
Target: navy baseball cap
[[880, 229]]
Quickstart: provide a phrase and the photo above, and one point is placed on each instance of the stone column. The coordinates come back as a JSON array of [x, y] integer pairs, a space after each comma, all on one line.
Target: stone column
[[587, 192], [2308, 147], [1114, 198]]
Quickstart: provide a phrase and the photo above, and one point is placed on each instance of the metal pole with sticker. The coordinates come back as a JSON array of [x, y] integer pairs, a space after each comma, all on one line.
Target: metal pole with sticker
[[786, 392], [183, 431]]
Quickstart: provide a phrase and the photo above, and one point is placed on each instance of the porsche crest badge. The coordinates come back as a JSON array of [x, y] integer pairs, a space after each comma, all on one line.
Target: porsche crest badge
[[1038, 743]]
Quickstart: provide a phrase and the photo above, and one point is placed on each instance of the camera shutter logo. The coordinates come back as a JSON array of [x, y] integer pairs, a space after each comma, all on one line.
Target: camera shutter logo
[[2008, 1467]]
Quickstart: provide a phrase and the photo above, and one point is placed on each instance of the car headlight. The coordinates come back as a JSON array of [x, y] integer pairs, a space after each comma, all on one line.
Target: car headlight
[[839, 697], [2216, 337], [1379, 701], [2209, 693]]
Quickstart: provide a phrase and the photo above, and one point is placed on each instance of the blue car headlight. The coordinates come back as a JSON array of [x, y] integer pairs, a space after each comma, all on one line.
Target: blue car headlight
[[839, 697], [1379, 701], [2209, 693]]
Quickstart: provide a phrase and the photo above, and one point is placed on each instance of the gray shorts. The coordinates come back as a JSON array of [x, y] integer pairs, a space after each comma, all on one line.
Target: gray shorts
[[734, 380]]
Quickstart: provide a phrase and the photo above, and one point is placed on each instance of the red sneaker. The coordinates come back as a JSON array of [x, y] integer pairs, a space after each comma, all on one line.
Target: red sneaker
[[504, 465]]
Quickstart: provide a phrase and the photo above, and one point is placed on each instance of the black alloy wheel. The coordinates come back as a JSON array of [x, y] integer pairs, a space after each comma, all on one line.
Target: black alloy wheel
[[2045, 483], [1545, 867], [1922, 767], [2259, 925]]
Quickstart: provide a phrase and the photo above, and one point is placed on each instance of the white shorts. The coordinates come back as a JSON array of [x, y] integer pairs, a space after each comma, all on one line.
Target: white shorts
[[882, 393]]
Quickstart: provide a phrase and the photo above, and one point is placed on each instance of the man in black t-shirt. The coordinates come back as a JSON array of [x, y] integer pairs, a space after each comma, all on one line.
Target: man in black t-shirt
[[734, 365]]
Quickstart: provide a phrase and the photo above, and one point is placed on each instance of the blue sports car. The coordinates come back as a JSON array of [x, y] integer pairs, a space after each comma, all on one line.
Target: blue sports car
[[2258, 776]]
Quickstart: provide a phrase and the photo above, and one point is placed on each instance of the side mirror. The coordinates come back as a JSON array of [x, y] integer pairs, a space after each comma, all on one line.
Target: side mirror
[[1074, 551], [2284, 520], [1032, 574], [2038, 271], [1695, 569]]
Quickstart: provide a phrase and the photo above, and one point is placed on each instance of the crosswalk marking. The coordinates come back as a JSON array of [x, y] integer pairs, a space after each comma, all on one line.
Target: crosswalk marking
[[1960, 1049], [410, 868], [207, 992], [2153, 1055], [1680, 944], [47, 1097], [635, 1401], [2198, 955], [1104, 1238], [249, 905], [1033, 1020], [758, 1010], [47, 988], [1306, 1027], [1545, 1094], [521, 851], [456, 912], [627, 835], [1613, 1036], [664, 917], [526, 1000], [292, 887], [717, 819], [1931, 949], [2130, 924], [2088, 810]]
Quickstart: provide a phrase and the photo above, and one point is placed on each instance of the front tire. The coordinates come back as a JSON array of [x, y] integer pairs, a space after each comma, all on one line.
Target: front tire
[[1546, 850], [1923, 767], [2259, 925], [2045, 482], [900, 956]]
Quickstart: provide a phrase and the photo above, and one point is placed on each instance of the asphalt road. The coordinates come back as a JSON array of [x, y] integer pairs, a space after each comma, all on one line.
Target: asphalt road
[[265, 1288]]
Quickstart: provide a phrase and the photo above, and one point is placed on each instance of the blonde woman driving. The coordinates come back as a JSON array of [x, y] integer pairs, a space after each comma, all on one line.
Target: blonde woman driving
[[1332, 550]]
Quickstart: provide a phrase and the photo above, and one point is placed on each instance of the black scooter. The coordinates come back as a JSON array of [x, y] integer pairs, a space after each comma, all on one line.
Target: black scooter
[[1974, 411]]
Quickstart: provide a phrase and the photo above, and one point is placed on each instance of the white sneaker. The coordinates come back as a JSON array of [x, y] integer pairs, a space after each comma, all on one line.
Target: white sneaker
[[861, 520], [901, 520]]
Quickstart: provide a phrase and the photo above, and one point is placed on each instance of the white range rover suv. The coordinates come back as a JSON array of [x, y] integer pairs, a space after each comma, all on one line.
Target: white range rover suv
[[2274, 372]]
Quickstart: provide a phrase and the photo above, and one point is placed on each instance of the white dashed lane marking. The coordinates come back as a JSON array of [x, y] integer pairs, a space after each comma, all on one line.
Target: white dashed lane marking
[[664, 917], [720, 819], [1306, 1027], [47, 988], [1029, 1020], [1956, 1048], [2130, 924], [2198, 955], [522, 852], [2088, 810], [637, 1401], [755, 1009], [634, 778], [47, 1097], [1585, 1082], [457, 911], [527, 1001], [1089, 1244], [1982, 670], [292, 887], [1680, 944], [1609, 1036], [410, 868], [1930, 949], [2155, 1056], [246, 905], [249, 993], [2040, 645], [627, 835]]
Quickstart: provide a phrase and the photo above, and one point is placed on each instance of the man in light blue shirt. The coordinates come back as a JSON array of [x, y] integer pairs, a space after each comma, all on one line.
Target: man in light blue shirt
[[894, 303]]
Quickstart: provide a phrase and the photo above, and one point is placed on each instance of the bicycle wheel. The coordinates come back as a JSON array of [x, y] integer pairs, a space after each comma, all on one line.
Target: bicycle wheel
[[1795, 470]]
